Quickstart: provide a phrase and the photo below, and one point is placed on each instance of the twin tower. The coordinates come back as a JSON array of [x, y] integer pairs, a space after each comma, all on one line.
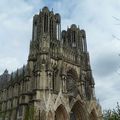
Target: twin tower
[[57, 82]]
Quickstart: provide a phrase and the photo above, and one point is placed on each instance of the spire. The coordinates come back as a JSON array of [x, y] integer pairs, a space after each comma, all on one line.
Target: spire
[[32, 50], [6, 71], [23, 71], [52, 9], [84, 43], [46, 23], [27, 70], [11, 77]]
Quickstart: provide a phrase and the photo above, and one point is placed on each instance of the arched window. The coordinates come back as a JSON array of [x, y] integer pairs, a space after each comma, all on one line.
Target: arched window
[[73, 39], [61, 113], [35, 31], [51, 28], [78, 112], [57, 31], [83, 44], [46, 23], [20, 113], [93, 115], [50, 116]]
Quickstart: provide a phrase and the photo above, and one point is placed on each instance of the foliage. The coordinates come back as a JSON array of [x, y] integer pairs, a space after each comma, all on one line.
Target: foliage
[[29, 113], [113, 114], [26, 117], [2, 116]]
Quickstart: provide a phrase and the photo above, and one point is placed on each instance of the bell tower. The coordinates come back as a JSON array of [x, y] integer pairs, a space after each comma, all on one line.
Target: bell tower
[[46, 23]]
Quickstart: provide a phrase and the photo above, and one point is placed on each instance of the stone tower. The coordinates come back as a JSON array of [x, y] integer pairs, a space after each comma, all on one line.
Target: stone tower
[[57, 82]]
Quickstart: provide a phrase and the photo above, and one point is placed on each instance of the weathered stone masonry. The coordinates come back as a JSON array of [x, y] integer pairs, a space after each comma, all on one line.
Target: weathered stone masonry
[[57, 82]]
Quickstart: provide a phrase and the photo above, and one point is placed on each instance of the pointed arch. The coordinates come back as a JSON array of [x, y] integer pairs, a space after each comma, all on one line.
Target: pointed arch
[[51, 28], [93, 115], [61, 113], [78, 112], [43, 115], [93, 111], [50, 116]]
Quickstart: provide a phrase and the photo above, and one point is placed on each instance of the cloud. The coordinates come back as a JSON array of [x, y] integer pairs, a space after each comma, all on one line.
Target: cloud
[[107, 89], [15, 31], [94, 16], [7, 62], [106, 64]]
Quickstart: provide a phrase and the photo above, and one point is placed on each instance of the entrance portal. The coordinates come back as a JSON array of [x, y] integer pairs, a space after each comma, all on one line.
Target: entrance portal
[[61, 113], [78, 112]]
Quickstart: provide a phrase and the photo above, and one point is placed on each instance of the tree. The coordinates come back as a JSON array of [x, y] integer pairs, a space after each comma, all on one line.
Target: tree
[[113, 114], [29, 113], [2, 116]]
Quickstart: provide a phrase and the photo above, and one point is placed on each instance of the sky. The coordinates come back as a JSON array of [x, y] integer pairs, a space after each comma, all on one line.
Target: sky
[[100, 19]]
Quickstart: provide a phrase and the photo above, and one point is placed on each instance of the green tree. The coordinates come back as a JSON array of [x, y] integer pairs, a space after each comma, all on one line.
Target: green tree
[[2, 116], [113, 114], [29, 113], [26, 117]]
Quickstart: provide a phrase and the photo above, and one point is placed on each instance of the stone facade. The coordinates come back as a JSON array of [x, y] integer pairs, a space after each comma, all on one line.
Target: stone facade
[[57, 82]]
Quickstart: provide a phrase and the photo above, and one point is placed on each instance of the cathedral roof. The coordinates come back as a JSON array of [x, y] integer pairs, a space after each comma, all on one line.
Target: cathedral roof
[[7, 79]]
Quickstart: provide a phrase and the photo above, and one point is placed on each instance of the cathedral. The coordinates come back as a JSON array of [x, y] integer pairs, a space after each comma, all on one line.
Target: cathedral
[[57, 82]]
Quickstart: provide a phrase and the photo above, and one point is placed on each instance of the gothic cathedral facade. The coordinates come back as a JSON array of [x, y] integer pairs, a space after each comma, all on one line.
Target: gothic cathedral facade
[[57, 82]]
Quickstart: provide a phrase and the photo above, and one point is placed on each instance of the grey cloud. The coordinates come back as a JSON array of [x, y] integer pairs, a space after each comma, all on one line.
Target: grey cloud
[[7, 62], [106, 90], [106, 65]]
